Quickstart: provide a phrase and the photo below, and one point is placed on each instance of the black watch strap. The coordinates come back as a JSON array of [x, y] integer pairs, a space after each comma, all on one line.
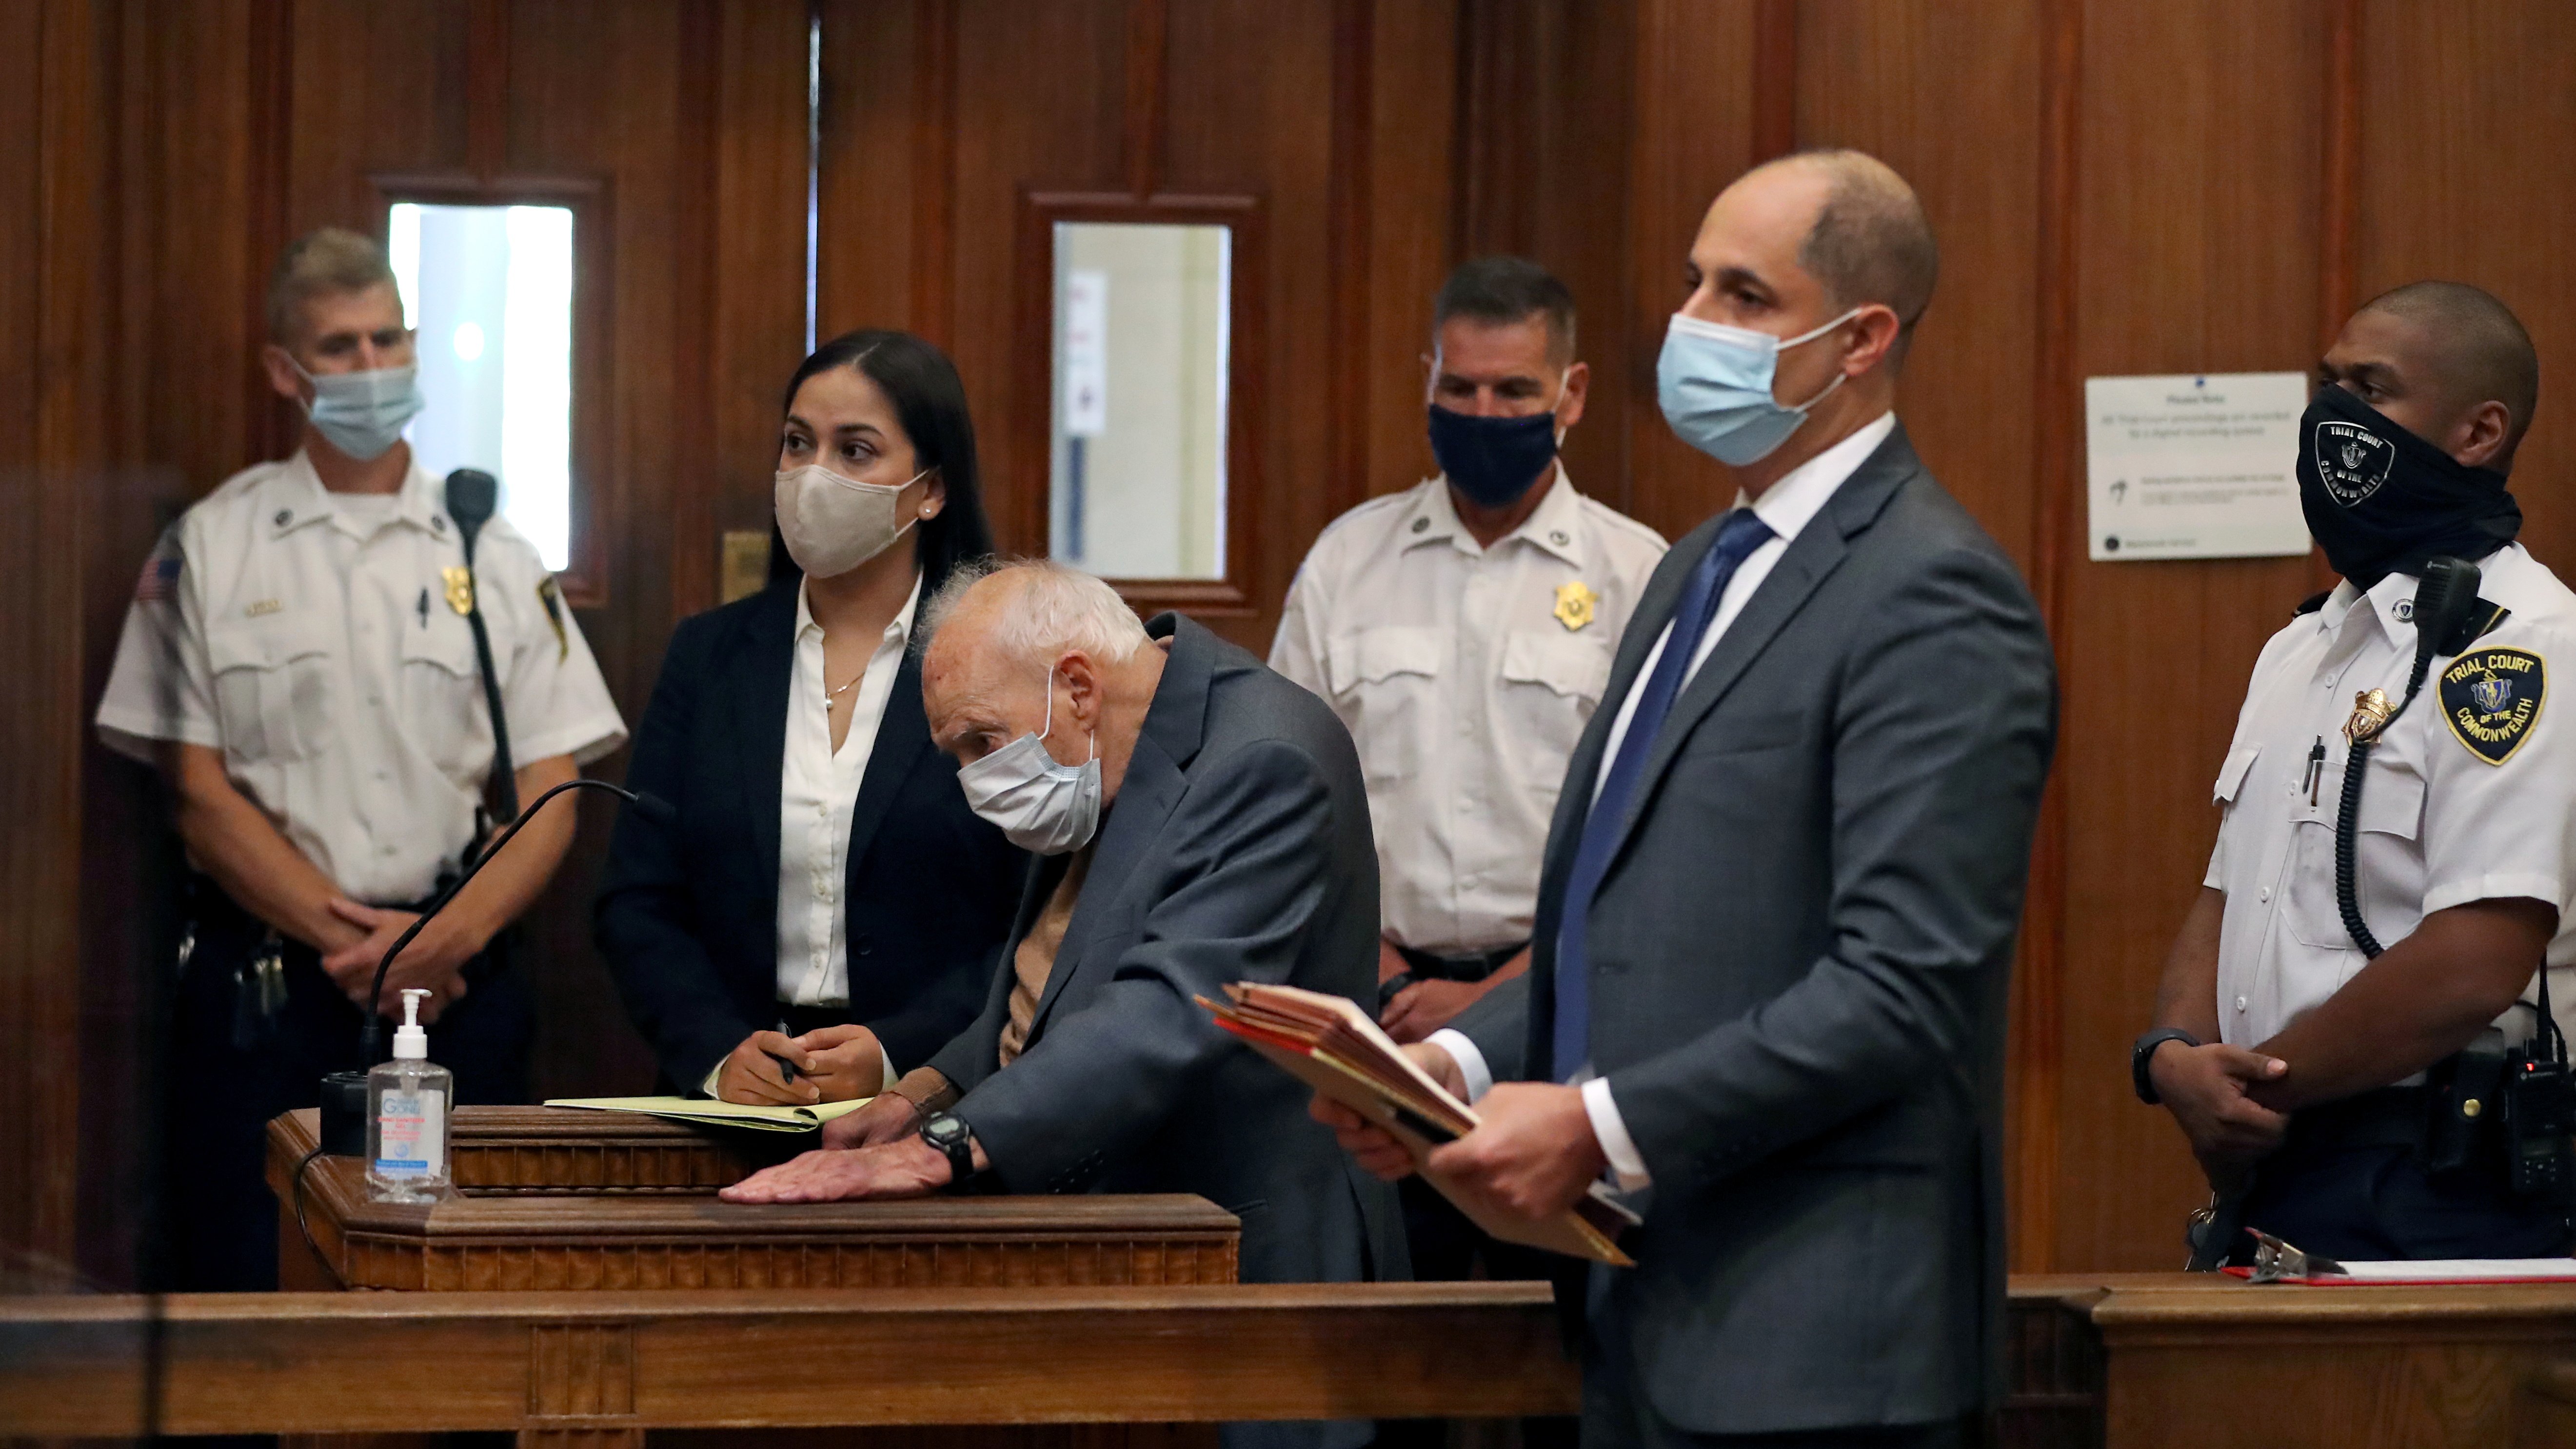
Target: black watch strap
[[2145, 1051], [950, 1134]]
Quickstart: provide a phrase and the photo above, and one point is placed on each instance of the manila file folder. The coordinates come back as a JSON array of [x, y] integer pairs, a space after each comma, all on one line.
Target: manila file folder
[[1331, 1045]]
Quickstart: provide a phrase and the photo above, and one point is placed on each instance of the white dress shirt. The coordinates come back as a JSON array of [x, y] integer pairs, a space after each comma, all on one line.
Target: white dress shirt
[[1465, 675], [310, 636], [817, 790], [1787, 507], [2441, 825]]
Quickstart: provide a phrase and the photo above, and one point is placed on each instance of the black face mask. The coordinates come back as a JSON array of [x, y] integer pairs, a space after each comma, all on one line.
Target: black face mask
[[2381, 500], [1492, 460]]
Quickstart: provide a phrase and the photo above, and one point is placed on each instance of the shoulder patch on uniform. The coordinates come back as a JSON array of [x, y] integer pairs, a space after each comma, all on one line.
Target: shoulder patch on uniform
[[2492, 697], [551, 595]]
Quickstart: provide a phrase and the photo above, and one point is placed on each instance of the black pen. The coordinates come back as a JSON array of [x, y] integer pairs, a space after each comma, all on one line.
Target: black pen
[[786, 1068]]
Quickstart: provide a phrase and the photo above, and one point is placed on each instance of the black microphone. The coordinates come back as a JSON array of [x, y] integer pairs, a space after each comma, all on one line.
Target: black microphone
[[344, 1094], [472, 495], [2442, 603]]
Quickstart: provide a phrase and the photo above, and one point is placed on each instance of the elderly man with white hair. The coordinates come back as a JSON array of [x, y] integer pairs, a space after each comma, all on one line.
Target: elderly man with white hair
[[1198, 820]]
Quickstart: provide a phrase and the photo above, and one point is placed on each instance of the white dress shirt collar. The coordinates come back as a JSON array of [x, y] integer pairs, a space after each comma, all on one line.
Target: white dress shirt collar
[[898, 631], [1800, 495]]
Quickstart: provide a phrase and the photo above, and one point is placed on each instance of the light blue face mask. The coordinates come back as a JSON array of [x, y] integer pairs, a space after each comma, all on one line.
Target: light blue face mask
[[363, 413], [1715, 384]]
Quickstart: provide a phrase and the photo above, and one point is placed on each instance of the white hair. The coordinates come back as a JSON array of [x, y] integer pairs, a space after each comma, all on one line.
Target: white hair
[[1054, 608]]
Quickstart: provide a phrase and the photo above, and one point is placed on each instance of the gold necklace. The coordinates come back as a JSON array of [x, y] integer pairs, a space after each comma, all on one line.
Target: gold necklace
[[832, 696]]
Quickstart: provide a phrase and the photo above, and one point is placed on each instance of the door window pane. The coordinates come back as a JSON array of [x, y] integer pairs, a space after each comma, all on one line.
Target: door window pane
[[1141, 339], [489, 290]]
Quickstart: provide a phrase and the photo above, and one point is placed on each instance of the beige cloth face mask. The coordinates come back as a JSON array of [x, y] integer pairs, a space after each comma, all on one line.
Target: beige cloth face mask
[[833, 524]]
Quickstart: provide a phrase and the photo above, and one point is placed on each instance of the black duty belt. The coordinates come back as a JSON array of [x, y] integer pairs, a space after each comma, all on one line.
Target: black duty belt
[[1423, 966]]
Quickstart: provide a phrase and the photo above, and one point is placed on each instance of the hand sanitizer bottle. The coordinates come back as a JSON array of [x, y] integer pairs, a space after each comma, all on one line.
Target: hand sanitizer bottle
[[407, 1101]]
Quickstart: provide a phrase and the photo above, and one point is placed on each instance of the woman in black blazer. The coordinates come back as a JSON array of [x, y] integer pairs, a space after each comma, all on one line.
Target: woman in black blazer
[[790, 722]]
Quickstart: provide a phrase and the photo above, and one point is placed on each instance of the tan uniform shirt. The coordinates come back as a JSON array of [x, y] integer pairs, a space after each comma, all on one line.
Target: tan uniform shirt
[[310, 637], [1465, 675]]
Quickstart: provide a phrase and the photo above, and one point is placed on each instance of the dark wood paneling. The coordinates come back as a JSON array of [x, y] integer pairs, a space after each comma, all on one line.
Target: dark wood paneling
[[756, 322], [52, 89], [2469, 121], [1548, 138], [1692, 88], [1412, 150], [2205, 264]]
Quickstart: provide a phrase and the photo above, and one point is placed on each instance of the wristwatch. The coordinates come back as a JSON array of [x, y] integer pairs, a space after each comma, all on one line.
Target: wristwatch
[[2145, 1052], [950, 1134]]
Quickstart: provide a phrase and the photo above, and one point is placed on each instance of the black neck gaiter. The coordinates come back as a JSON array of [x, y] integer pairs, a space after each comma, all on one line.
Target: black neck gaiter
[[2381, 500]]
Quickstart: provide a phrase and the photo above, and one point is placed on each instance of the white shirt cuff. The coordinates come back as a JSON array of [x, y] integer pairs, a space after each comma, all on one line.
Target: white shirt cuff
[[891, 1075], [1625, 1163], [707, 1088], [1471, 1062]]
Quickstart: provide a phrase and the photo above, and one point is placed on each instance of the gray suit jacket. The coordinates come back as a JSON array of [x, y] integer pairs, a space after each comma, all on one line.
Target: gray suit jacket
[[1238, 849], [1799, 962]]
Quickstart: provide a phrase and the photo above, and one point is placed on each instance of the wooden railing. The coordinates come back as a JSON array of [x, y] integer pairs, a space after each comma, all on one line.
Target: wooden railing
[[629, 1361]]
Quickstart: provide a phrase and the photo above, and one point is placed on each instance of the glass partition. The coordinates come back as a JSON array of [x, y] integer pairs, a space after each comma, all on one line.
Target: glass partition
[[1142, 338], [489, 291]]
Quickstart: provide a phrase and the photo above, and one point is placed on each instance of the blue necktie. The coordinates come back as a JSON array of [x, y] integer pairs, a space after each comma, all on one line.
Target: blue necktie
[[1736, 539]]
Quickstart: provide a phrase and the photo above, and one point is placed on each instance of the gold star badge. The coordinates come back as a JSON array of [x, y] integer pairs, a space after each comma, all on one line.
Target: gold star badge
[[460, 587], [1574, 603]]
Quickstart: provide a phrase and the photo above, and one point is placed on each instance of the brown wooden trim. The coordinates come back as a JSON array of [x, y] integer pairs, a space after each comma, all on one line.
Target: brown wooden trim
[[1348, 222], [1775, 79], [2038, 1024], [696, 244], [934, 170], [1148, 95], [2340, 194], [314, 1362], [487, 87], [2339, 199], [274, 423], [595, 491], [1026, 513]]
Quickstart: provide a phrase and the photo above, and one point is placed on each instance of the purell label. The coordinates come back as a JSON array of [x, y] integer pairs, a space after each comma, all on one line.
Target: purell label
[[411, 1134]]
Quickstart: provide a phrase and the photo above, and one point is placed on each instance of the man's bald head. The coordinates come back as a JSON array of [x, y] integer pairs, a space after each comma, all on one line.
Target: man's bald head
[[1871, 241], [2468, 346]]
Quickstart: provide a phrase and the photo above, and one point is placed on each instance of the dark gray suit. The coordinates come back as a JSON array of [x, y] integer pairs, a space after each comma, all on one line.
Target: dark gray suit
[[1799, 962], [1238, 849]]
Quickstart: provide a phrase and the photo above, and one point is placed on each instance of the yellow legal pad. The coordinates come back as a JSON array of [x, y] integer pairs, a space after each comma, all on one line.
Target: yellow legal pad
[[706, 1112]]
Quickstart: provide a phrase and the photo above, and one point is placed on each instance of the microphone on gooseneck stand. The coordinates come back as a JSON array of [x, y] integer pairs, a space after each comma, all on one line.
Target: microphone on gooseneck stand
[[344, 1094], [472, 494]]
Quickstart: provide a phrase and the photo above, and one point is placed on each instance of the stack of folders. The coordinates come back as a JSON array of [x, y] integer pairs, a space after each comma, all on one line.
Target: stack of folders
[[700, 1112], [1331, 1045]]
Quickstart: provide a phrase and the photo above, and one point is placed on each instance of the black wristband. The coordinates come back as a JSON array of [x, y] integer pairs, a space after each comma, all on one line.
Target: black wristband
[[950, 1135], [2144, 1052]]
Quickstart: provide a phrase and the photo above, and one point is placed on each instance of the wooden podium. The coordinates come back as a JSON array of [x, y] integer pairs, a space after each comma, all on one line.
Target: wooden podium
[[549, 1198]]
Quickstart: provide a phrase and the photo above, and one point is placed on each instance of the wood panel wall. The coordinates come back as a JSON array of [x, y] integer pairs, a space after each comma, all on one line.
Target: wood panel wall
[[2118, 189]]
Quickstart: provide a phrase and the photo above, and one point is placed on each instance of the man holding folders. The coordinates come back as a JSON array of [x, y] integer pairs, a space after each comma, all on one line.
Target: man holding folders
[[1776, 916], [1199, 821]]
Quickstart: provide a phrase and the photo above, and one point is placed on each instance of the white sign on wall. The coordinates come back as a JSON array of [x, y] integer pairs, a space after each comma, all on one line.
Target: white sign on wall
[[2195, 466], [1086, 353]]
